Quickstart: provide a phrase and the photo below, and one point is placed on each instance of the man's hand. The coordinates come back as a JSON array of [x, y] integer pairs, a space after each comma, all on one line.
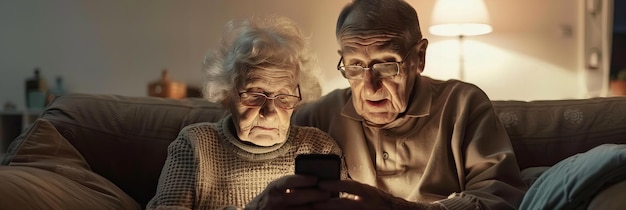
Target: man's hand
[[356, 195]]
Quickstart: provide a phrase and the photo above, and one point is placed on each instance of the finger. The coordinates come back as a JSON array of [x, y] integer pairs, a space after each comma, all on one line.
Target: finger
[[295, 181], [349, 196], [288, 183]]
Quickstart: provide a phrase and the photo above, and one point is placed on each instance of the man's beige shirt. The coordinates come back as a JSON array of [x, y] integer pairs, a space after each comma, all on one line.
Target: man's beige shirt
[[449, 146]]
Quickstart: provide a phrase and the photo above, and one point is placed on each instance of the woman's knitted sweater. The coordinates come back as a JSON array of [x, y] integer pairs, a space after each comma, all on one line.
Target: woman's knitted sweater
[[207, 167]]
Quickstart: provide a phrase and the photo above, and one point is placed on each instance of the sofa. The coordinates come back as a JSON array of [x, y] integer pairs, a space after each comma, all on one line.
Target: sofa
[[114, 146]]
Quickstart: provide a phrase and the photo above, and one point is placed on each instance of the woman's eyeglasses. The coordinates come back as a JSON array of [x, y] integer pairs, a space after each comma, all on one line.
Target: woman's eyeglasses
[[283, 101]]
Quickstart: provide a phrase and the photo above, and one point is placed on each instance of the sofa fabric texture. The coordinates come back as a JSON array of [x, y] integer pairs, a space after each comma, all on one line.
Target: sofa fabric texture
[[124, 139], [545, 132], [47, 172]]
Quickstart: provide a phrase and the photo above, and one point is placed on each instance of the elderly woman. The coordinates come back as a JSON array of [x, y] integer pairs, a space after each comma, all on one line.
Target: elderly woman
[[260, 73]]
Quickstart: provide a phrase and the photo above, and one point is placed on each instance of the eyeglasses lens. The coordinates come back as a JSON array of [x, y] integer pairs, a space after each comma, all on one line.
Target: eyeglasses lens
[[380, 70], [258, 99]]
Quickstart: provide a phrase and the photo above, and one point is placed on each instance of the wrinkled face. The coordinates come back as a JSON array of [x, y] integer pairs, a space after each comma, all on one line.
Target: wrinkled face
[[377, 100], [268, 124], [381, 100]]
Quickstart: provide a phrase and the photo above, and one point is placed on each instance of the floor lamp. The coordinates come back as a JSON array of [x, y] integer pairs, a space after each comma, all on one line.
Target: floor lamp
[[460, 18]]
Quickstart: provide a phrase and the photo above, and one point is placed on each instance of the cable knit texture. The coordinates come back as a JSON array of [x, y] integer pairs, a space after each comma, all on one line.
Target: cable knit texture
[[208, 167]]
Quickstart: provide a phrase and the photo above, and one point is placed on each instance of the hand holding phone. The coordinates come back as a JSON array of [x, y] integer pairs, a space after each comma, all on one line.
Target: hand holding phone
[[322, 166]]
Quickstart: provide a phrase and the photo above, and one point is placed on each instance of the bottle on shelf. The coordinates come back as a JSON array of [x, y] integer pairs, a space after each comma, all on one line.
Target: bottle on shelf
[[36, 91], [58, 89]]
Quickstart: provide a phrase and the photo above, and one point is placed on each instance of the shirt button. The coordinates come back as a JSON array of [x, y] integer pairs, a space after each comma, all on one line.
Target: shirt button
[[386, 132], [385, 155]]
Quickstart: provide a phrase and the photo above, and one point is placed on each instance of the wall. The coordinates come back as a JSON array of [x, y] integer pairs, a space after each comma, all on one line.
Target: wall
[[118, 47]]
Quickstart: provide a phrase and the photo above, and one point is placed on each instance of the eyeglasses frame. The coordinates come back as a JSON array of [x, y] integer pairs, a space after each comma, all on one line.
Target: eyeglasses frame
[[299, 96], [398, 64]]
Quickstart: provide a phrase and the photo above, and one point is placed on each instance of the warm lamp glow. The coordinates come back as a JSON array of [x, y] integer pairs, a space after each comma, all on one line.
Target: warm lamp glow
[[460, 18]]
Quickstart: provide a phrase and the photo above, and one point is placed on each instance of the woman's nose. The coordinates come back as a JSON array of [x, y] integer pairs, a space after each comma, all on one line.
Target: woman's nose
[[268, 110]]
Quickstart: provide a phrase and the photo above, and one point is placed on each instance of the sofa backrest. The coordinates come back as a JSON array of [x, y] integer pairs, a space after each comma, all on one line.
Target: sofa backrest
[[545, 132], [124, 138]]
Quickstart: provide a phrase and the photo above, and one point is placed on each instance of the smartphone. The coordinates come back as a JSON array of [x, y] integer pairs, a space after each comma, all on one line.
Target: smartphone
[[322, 166]]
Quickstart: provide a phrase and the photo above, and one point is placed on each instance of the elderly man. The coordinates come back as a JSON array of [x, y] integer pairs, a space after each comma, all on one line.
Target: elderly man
[[409, 141]]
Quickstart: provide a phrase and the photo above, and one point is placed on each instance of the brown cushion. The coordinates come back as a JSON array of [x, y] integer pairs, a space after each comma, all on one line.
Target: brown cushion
[[46, 172]]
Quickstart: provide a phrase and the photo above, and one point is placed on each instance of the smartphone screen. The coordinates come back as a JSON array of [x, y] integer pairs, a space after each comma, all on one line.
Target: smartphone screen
[[323, 166]]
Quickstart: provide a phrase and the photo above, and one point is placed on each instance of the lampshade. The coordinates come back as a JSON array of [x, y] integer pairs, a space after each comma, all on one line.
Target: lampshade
[[460, 18]]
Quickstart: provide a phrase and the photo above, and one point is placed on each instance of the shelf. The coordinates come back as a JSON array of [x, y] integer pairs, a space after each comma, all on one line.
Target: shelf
[[12, 123]]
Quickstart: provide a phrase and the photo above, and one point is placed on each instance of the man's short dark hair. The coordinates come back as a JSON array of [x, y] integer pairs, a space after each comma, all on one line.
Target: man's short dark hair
[[376, 10]]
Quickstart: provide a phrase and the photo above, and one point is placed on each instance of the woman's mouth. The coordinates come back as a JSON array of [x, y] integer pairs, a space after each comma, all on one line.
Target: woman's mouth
[[264, 128]]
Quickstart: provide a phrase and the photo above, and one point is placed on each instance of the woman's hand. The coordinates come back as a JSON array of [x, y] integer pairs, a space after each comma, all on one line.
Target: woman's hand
[[289, 192]]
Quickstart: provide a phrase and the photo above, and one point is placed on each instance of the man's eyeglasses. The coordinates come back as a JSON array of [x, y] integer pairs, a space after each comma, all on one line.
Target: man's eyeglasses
[[380, 70], [283, 101]]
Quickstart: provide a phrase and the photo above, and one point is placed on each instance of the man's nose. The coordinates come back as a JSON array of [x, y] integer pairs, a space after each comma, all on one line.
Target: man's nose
[[371, 82]]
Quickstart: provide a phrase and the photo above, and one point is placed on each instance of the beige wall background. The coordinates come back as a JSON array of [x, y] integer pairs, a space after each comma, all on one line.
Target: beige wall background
[[118, 47]]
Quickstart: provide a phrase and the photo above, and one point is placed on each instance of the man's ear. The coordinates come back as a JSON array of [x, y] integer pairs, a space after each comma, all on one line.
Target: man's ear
[[421, 55], [339, 52]]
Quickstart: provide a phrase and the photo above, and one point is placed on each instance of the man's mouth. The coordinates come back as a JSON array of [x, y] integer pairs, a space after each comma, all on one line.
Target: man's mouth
[[377, 103]]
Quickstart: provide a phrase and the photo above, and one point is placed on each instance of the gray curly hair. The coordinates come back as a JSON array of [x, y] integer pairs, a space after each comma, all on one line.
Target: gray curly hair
[[271, 41]]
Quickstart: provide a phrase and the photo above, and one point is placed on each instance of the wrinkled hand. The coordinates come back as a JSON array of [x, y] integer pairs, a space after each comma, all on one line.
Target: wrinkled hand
[[289, 192], [363, 196], [360, 196]]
